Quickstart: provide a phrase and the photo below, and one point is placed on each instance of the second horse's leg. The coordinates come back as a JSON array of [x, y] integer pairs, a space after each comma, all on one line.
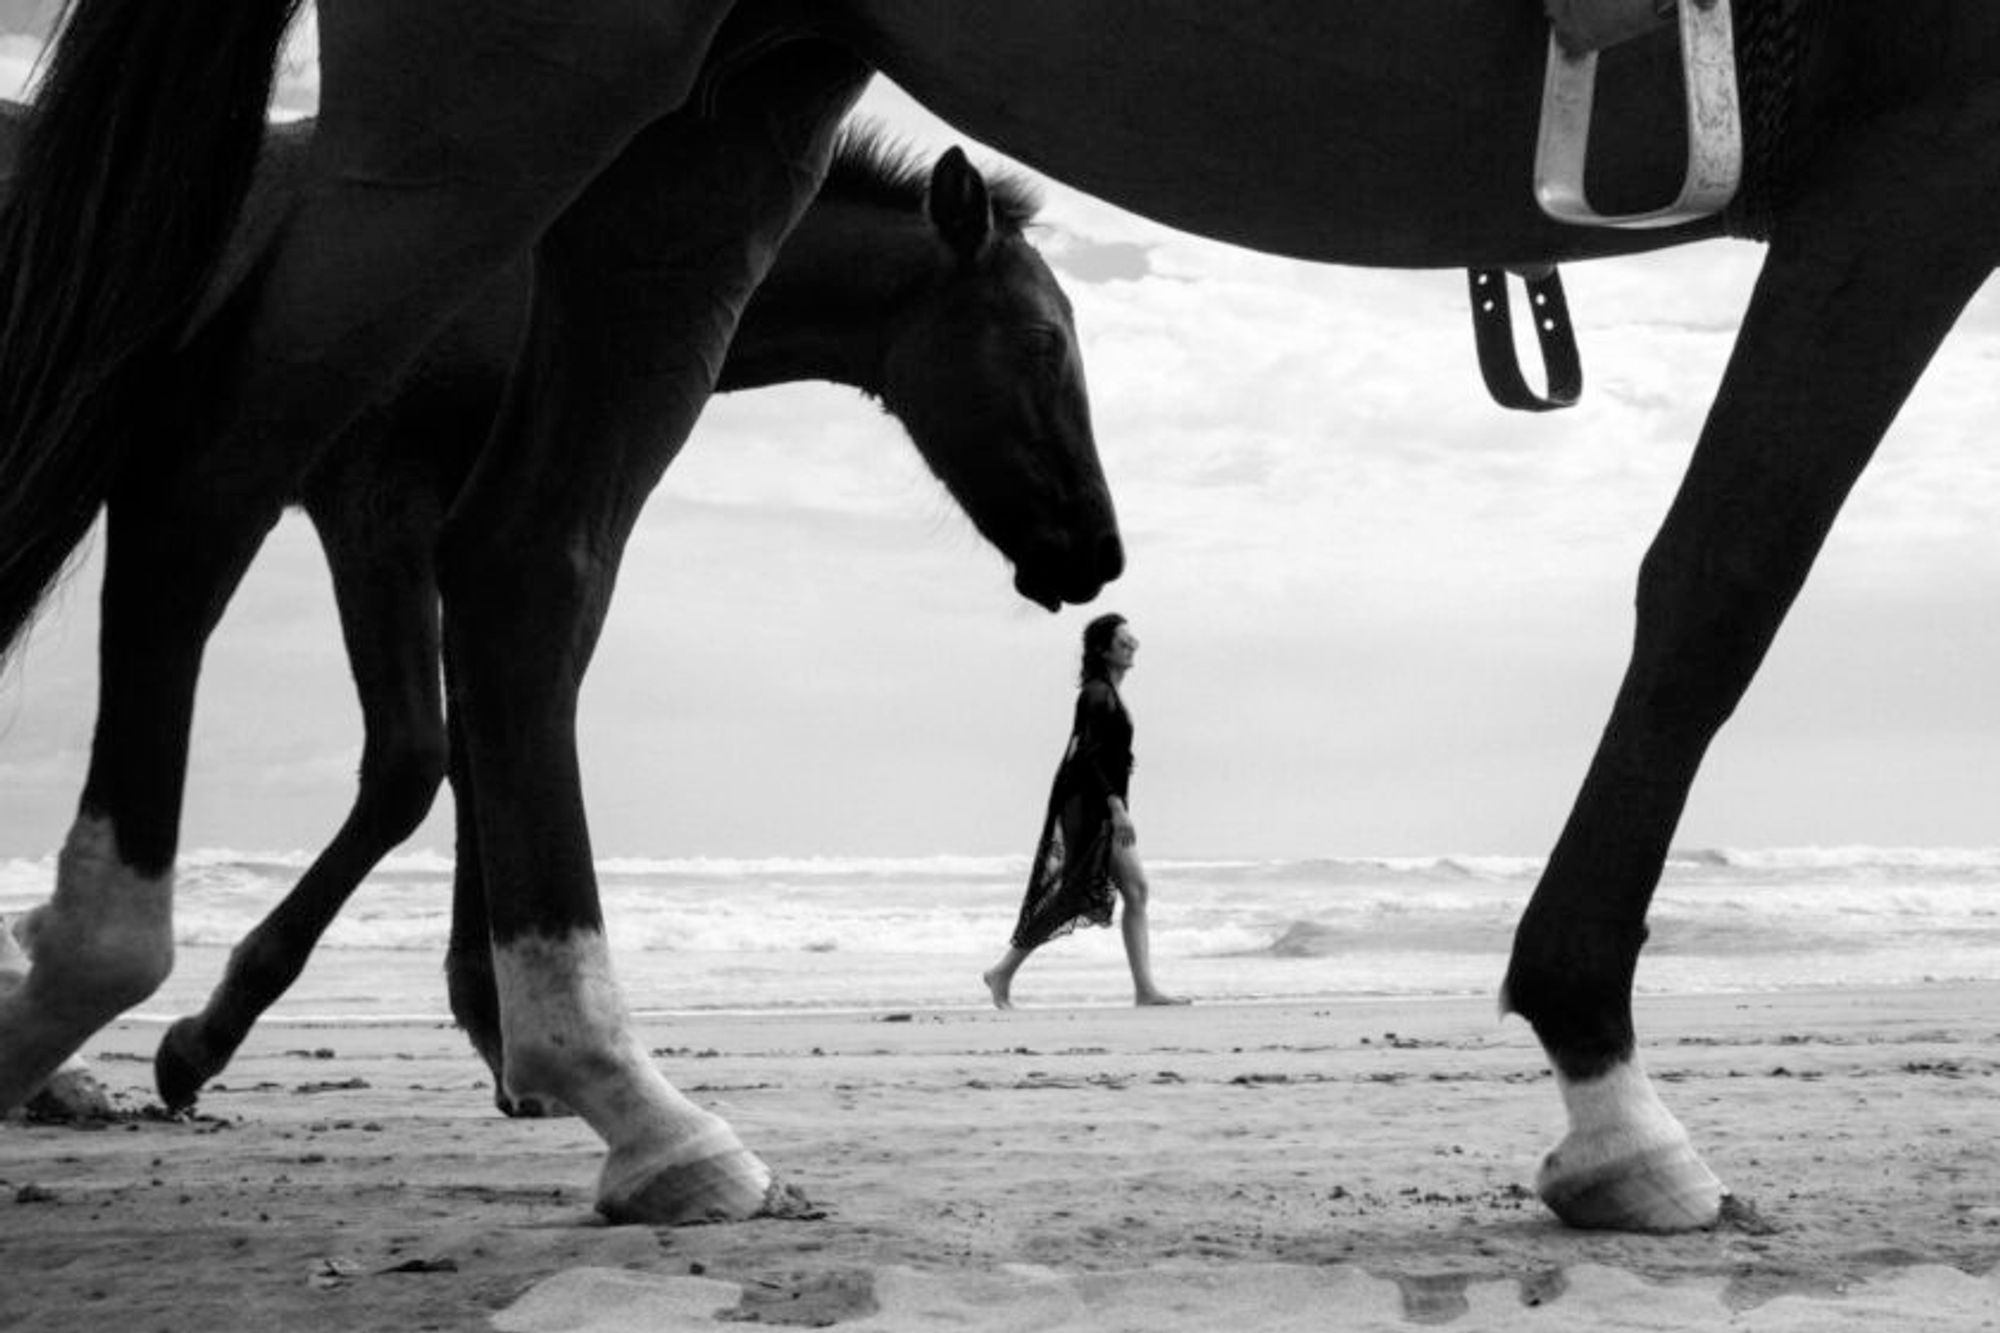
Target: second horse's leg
[[378, 512]]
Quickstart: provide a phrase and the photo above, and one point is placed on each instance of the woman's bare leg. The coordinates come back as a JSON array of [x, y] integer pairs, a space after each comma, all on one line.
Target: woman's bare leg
[[1132, 887], [999, 978]]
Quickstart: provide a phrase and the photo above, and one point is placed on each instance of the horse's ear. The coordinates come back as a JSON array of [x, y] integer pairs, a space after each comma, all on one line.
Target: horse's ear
[[959, 206]]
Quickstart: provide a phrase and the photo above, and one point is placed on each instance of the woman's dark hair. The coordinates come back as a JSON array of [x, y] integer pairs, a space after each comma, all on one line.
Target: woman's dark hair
[[1097, 637]]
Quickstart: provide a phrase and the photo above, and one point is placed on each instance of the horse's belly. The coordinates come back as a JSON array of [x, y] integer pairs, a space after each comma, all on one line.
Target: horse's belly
[[1377, 132]]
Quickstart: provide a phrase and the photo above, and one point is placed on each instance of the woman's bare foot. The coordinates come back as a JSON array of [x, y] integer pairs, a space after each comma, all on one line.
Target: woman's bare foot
[[1159, 998], [999, 984]]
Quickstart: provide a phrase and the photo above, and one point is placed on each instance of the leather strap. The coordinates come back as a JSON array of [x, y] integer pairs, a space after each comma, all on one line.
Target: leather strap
[[1493, 334]]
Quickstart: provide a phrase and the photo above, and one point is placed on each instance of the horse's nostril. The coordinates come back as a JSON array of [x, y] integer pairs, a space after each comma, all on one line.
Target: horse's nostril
[[1110, 557]]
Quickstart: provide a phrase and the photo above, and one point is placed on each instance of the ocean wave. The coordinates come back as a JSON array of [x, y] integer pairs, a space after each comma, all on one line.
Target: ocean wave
[[1356, 870], [943, 866], [1853, 858], [415, 861], [21, 873]]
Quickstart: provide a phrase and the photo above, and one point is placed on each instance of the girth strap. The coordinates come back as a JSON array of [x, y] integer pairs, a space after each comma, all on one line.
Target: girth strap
[[1493, 334]]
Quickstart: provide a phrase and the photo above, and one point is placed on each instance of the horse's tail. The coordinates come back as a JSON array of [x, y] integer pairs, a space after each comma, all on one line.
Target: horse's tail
[[143, 139]]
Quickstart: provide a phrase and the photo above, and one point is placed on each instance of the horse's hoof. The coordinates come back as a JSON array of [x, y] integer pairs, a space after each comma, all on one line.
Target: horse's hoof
[[1665, 1188], [530, 1108], [71, 1095], [732, 1186], [181, 1065]]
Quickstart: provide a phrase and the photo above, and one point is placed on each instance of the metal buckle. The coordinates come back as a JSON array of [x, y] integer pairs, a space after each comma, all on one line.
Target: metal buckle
[[1714, 120]]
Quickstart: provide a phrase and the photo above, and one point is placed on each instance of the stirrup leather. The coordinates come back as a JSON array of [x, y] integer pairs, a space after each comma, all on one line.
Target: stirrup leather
[[1714, 126]]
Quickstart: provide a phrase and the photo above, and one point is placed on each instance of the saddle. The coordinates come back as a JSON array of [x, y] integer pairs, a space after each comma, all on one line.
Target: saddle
[[1578, 30]]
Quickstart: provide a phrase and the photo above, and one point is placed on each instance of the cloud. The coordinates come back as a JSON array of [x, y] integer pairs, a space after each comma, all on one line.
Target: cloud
[[1249, 465], [31, 17], [1088, 260]]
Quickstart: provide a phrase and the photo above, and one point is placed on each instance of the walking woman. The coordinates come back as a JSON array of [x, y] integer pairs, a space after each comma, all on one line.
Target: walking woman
[[1088, 856]]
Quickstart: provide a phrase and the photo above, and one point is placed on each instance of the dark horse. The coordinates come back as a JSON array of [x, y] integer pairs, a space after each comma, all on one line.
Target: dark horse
[[887, 253], [456, 133]]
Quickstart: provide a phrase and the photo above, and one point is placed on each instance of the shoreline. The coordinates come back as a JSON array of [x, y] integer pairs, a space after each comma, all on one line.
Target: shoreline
[[1641, 998], [327, 991], [360, 1179]]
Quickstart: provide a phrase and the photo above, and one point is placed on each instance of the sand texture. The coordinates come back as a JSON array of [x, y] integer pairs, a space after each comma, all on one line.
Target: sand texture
[[1351, 1165]]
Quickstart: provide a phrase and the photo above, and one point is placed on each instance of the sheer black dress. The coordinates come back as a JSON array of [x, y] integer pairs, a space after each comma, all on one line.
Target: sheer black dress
[[1071, 882]]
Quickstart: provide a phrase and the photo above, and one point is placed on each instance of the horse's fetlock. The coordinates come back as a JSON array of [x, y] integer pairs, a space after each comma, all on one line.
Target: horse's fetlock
[[539, 1067], [1581, 1014]]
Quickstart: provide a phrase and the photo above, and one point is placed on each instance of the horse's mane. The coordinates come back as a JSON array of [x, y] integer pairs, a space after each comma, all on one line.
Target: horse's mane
[[870, 166]]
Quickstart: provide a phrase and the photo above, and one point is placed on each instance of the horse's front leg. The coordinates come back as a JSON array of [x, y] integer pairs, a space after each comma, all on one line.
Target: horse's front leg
[[637, 291], [1845, 316]]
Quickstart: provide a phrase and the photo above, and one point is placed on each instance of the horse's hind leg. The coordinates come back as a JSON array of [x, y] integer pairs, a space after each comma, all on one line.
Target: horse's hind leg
[[638, 288], [173, 549], [452, 133], [1867, 274], [378, 517]]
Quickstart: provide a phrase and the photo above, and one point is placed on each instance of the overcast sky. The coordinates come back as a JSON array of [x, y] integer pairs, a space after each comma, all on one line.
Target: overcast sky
[[1378, 614]]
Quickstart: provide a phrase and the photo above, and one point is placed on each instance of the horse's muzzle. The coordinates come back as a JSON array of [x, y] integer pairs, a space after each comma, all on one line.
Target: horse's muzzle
[[1071, 573]]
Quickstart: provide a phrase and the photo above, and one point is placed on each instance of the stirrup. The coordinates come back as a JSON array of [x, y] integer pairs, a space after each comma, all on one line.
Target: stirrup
[[1714, 126]]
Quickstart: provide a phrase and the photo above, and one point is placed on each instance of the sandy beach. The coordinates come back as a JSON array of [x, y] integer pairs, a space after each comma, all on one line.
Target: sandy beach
[[1345, 1165]]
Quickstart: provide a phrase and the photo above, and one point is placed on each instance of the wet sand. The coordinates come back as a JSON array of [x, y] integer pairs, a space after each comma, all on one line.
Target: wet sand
[[1336, 1165]]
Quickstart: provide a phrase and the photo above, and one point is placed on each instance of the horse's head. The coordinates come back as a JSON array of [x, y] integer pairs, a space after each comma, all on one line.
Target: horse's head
[[982, 367]]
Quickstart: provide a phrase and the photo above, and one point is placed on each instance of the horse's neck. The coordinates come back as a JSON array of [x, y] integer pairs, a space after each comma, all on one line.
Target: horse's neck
[[827, 309]]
